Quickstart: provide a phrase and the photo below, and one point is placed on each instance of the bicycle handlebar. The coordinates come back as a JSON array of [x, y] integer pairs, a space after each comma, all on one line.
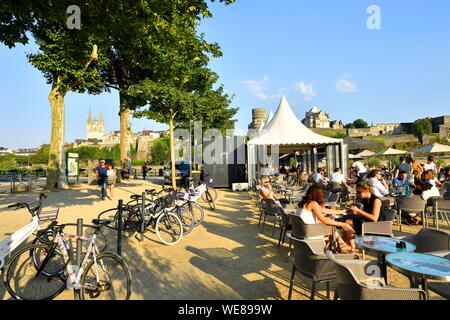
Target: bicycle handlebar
[[20, 205]]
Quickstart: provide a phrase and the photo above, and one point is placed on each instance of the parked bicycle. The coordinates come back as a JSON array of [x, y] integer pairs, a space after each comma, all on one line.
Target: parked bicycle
[[205, 191], [10, 243], [167, 224], [42, 271]]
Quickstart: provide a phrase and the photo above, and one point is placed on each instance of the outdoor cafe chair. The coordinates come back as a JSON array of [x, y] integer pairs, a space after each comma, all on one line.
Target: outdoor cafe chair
[[411, 204], [300, 230], [362, 280], [285, 226], [442, 211], [270, 209], [429, 240], [311, 262], [440, 288], [380, 228]]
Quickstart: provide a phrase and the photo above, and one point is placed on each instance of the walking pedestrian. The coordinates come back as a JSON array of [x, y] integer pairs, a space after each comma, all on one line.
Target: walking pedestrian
[[102, 176], [111, 180]]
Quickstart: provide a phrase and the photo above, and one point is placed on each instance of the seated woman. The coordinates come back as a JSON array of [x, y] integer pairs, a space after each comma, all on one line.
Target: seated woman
[[312, 211], [265, 190], [370, 211]]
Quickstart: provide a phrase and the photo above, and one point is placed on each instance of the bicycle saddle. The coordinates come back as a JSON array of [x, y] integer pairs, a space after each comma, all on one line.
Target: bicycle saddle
[[135, 197], [150, 191], [101, 222]]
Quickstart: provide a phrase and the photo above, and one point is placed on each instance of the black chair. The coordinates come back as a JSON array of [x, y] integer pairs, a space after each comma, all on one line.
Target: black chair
[[311, 262], [285, 226], [271, 209]]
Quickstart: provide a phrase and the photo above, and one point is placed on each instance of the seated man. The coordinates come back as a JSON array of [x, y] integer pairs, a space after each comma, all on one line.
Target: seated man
[[401, 181], [318, 179]]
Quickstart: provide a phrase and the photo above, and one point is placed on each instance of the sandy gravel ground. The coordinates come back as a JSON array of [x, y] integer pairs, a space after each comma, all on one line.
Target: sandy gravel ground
[[225, 258]]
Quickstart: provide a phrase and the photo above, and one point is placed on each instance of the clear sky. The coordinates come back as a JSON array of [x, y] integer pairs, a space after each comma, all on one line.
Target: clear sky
[[316, 52]]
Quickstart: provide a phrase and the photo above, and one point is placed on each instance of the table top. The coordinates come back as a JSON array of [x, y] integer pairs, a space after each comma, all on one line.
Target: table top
[[423, 265], [383, 244]]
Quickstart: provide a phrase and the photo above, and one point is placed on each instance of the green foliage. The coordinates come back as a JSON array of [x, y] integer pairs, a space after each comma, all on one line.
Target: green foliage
[[7, 162], [441, 162], [395, 160], [292, 162], [94, 153], [160, 151], [422, 127], [360, 124], [374, 161], [333, 134], [41, 157]]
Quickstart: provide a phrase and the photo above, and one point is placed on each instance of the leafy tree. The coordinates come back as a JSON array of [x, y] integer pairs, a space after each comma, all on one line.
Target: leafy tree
[[181, 87], [161, 151], [374, 161], [41, 157], [422, 127], [360, 124], [68, 58]]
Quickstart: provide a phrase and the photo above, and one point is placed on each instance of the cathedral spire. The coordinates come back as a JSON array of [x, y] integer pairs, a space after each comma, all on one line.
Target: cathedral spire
[[89, 120], [101, 119]]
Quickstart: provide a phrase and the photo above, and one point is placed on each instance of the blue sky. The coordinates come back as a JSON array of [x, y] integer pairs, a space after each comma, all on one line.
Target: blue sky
[[314, 52]]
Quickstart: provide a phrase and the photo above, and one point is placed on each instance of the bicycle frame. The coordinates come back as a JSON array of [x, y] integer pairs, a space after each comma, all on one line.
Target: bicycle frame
[[74, 271], [9, 244]]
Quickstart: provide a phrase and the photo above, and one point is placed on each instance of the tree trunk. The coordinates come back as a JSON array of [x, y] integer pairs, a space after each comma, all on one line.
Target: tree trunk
[[125, 134], [172, 149], [56, 167]]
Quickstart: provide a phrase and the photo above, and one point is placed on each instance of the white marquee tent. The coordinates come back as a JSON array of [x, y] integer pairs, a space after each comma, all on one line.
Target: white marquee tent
[[285, 133]]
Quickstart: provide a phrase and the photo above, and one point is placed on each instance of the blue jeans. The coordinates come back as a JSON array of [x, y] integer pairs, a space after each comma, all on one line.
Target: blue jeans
[[103, 188]]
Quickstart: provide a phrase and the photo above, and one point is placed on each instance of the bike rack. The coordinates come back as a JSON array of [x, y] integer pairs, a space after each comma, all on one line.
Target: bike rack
[[119, 227]]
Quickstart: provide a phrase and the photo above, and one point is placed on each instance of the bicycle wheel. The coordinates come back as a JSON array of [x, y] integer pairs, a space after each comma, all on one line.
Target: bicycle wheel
[[21, 277], [196, 211], [212, 192], [113, 282], [169, 228], [187, 218]]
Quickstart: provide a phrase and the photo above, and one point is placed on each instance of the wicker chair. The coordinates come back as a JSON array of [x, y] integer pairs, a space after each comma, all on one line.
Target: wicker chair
[[411, 204], [358, 280], [310, 261], [441, 288]]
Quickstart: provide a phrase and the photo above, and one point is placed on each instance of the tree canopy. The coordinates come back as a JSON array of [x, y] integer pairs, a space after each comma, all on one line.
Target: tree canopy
[[422, 127]]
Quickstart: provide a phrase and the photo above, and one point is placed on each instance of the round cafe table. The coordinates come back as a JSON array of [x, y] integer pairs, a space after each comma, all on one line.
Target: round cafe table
[[419, 265], [382, 246]]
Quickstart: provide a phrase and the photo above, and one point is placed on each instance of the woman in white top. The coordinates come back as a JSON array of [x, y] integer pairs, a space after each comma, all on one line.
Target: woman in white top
[[312, 211], [429, 191], [378, 184], [111, 180]]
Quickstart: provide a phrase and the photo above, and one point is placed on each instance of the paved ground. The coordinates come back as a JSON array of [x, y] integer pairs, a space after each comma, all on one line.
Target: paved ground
[[225, 258]]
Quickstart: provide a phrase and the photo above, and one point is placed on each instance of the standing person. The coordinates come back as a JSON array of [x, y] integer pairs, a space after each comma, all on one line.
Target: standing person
[[102, 176], [144, 171], [361, 170], [417, 169], [404, 166], [111, 180]]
